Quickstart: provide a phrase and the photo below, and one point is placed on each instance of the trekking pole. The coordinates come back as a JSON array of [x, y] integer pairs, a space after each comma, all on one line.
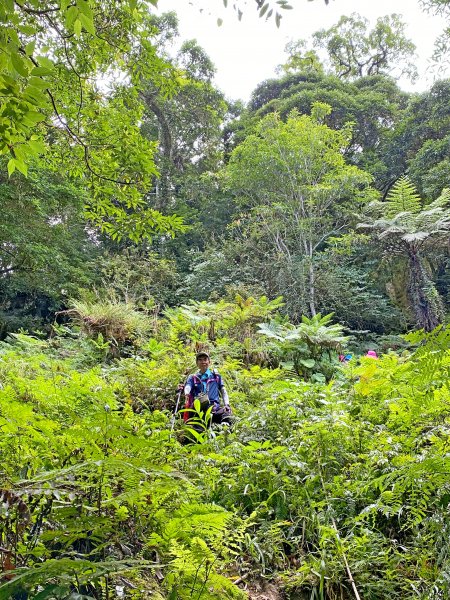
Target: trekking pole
[[174, 416]]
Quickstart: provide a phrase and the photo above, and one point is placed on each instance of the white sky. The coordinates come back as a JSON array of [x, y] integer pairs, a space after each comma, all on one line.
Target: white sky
[[246, 53]]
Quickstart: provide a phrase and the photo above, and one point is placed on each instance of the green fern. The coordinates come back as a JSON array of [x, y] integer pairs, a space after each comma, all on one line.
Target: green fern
[[62, 572], [204, 520], [403, 197], [444, 199], [193, 573]]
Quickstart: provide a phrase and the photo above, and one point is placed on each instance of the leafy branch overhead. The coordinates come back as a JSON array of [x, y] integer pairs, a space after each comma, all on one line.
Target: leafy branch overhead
[[58, 64]]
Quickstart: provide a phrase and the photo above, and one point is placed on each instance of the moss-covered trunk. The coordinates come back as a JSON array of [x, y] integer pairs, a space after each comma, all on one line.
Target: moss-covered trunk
[[425, 301]]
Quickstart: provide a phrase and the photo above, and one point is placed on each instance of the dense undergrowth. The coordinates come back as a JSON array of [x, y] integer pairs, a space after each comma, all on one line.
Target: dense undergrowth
[[333, 482]]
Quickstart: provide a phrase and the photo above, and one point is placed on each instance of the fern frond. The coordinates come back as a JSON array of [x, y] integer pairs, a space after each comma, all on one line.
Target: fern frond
[[205, 520], [444, 199], [66, 571], [403, 197]]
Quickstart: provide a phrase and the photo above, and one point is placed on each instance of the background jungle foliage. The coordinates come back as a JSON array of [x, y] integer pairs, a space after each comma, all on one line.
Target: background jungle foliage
[[190, 169]]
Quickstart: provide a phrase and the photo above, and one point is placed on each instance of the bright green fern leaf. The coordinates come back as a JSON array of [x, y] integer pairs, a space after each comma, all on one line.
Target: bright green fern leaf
[[403, 198]]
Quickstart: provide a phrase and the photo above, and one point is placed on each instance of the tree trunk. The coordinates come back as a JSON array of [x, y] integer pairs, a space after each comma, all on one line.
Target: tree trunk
[[312, 287], [165, 149], [425, 300]]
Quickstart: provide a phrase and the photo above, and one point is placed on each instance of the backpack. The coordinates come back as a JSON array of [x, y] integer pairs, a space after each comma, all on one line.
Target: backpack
[[205, 402]]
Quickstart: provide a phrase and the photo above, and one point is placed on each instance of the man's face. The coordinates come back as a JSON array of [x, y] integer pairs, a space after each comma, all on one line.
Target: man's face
[[203, 363]]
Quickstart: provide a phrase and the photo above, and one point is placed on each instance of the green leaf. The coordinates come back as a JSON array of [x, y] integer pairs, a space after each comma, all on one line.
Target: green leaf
[[44, 61], [11, 166], [71, 15], [50, 592], [41, 71], [87, 23], [173, 593], [264, 9], [77, 28], [37, 82], [29, 48], [34, 116], [21, 166], [85, 9], [27, 29], [19, 65], [220, 22], [36, 146], [35, 96], [308, 362]]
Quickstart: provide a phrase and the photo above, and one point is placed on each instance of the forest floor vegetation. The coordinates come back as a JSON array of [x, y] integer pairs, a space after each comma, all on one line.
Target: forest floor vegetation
[[329, 474]]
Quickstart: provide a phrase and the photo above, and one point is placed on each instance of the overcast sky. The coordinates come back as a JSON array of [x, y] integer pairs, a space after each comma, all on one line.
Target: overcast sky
[[247, 52]]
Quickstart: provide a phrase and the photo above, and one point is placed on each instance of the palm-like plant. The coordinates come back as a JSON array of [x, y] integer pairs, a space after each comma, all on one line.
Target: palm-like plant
[[404, 227], [309, 345]]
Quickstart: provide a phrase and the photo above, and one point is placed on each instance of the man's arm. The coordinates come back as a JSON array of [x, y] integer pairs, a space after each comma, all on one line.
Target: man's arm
[[188, 388], [223, 391]]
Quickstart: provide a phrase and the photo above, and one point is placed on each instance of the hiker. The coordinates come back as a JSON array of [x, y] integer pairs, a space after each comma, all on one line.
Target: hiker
[[207, 386], [345, 358], [372, 354]]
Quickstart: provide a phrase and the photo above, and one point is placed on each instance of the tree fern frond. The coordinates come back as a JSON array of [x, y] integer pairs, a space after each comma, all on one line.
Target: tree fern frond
[[416, 236], [444, 199], [394, 229], [403, 197]]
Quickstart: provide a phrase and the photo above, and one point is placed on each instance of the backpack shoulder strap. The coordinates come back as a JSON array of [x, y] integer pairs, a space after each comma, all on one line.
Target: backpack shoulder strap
[[217, 376]]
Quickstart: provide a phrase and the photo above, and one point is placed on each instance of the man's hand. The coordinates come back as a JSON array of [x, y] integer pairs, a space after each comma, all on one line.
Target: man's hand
[[227, 408]]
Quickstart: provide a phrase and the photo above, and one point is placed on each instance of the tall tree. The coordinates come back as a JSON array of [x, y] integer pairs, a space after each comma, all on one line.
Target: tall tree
[[375, 105], [354, 50], [294, 180], [188, 124], [419, 140], [403, 227]]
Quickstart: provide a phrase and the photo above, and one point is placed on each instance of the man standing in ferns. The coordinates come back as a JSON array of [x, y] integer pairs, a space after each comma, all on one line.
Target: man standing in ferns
[[207, 386]]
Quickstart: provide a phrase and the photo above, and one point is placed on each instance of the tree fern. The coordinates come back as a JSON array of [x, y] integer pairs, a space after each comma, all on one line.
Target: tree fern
[[405, 229], [403, 197]]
